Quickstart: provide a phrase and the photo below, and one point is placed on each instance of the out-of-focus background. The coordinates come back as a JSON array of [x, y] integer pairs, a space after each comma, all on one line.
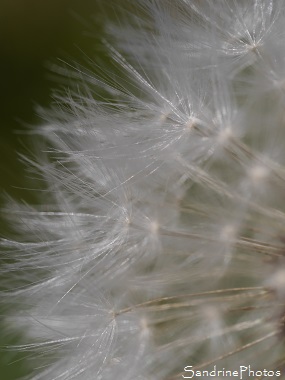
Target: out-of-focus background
[[34, 34]]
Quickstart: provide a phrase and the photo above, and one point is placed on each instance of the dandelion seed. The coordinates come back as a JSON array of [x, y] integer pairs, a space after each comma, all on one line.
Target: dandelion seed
[[159, 242]]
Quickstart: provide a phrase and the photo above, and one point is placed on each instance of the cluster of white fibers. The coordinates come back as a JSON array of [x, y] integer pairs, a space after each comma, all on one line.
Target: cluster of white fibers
[[160, 240]]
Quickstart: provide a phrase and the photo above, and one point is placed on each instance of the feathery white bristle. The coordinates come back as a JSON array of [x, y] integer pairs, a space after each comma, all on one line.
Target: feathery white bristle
[[159, 241]]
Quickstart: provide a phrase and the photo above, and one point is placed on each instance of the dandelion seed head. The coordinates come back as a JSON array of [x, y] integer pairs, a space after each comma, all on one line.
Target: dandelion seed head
[[158, 242]]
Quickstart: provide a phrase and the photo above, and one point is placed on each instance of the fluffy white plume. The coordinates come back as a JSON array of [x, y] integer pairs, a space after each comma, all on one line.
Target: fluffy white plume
[[160, 240]]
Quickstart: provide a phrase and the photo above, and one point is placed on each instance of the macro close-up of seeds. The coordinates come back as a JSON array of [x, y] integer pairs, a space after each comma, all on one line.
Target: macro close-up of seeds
[[156, 247]]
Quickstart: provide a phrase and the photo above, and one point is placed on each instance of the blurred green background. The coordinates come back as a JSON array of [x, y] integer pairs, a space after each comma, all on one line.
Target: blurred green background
[[33, 35]]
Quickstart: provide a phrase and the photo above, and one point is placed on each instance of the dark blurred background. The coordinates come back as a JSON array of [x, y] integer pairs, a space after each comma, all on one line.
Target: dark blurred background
[[34, 34]]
